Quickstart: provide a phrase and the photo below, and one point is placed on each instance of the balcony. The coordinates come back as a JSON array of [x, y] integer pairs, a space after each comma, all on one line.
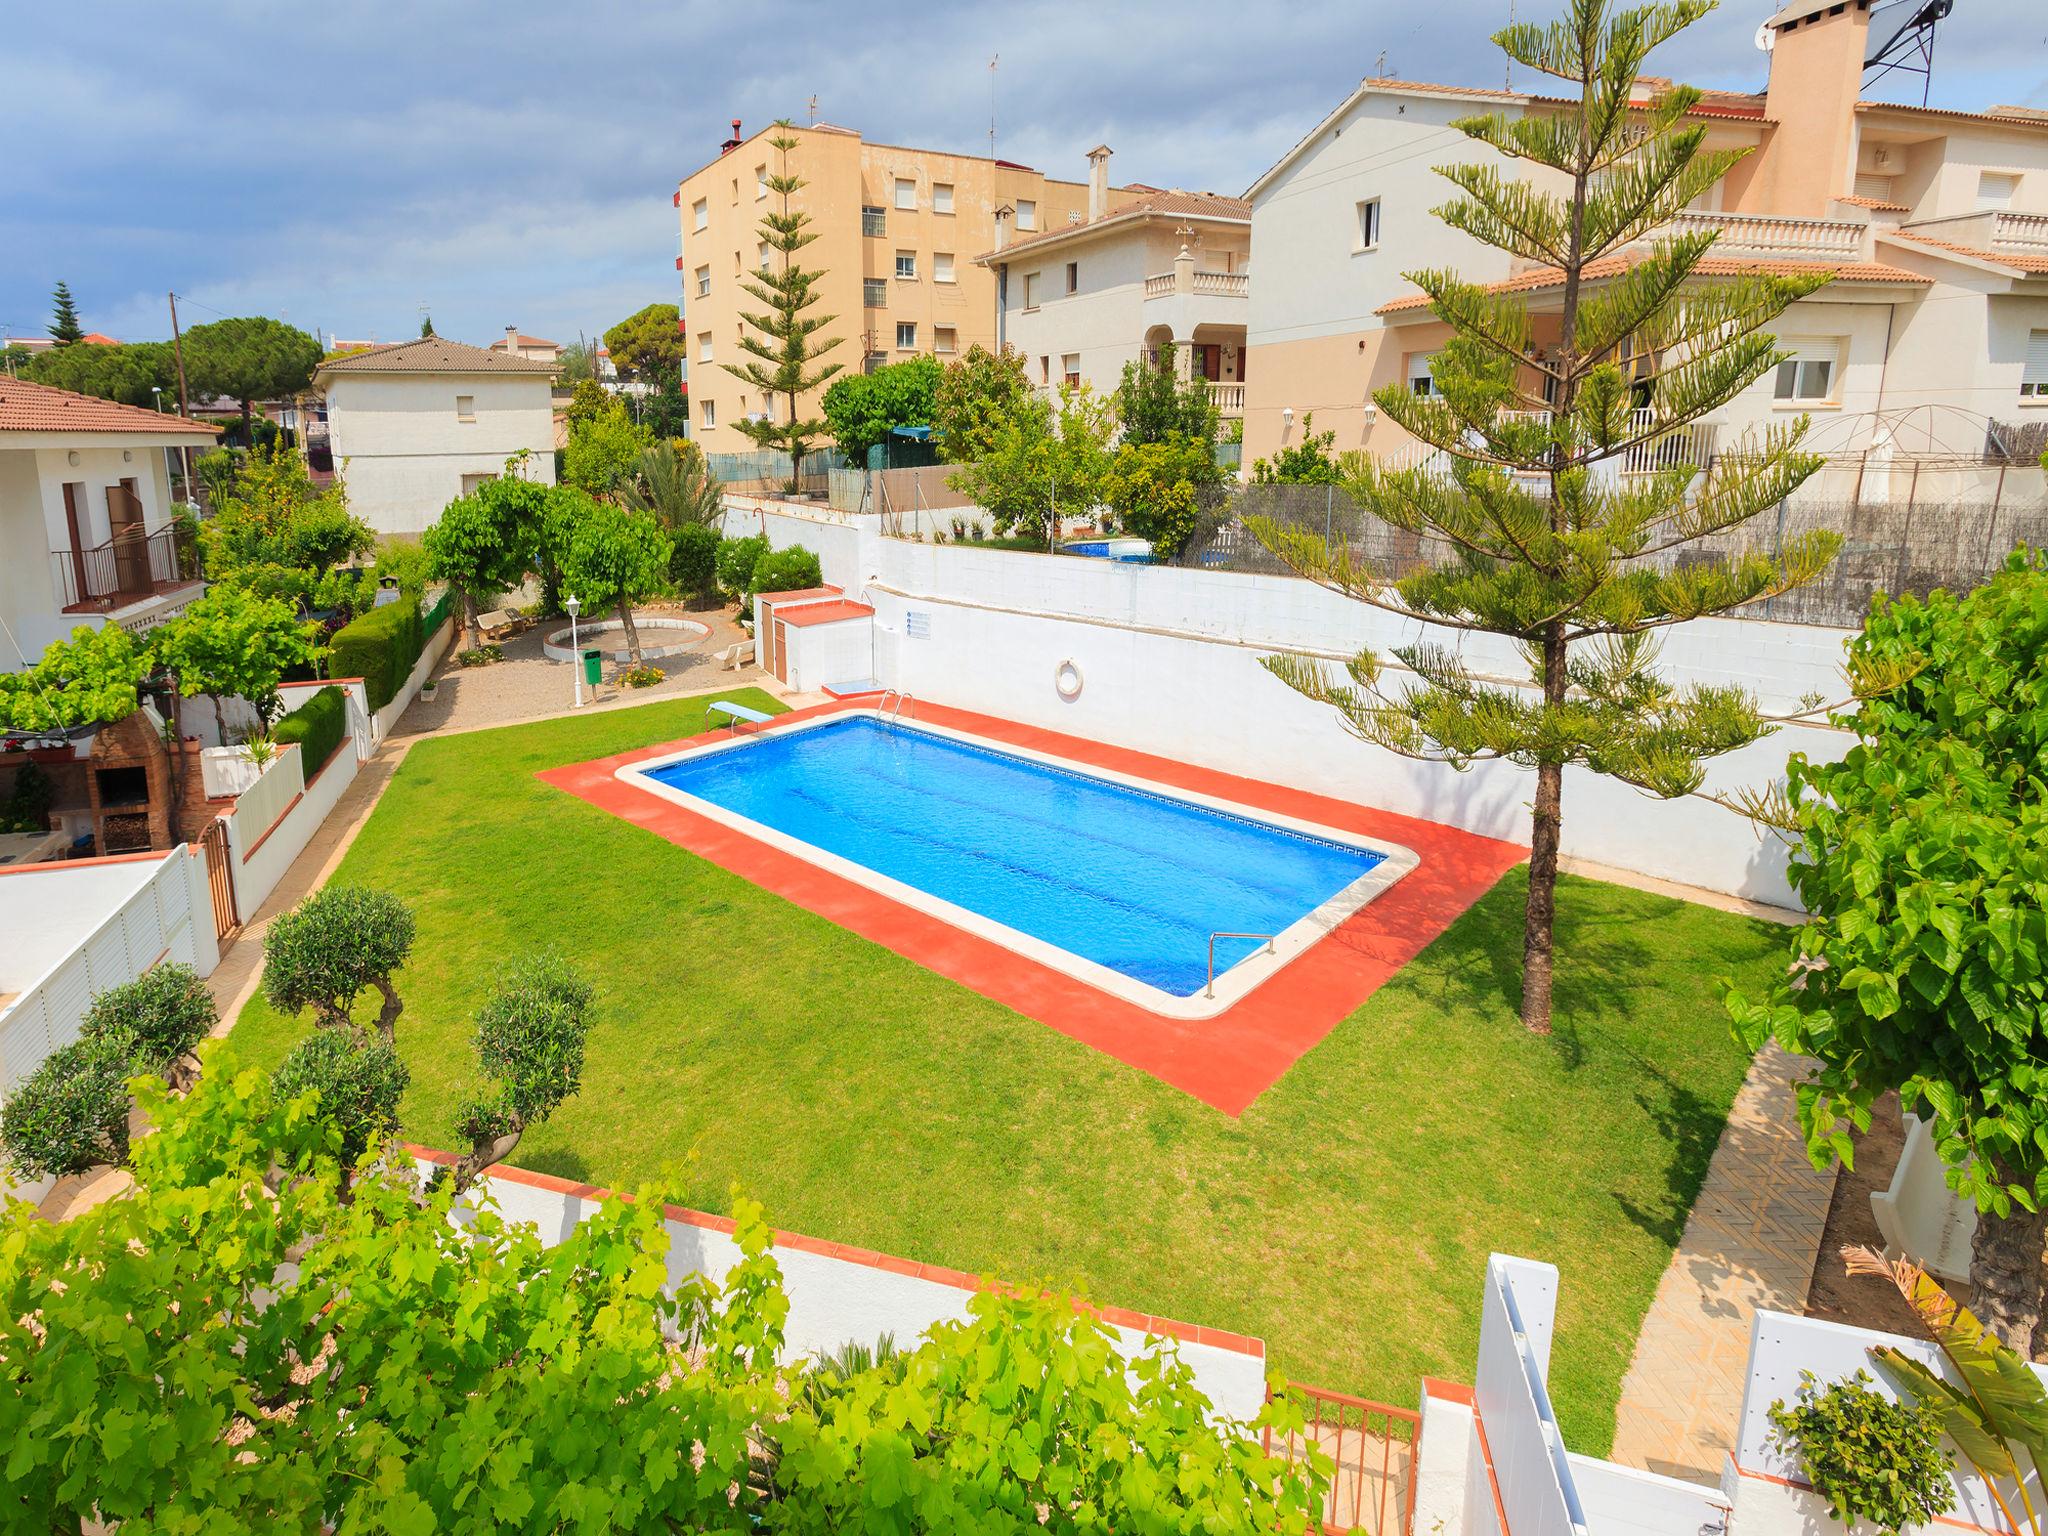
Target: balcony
[[1993, 230], [1764, 235], [126, 569], [1221, 285], [1227, 398]]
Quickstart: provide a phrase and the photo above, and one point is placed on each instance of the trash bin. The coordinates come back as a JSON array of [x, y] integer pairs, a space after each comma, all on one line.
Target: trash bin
[[593, 662]]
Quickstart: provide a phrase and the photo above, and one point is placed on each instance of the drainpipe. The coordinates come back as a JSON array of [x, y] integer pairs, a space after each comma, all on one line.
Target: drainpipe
[[1002, 303]]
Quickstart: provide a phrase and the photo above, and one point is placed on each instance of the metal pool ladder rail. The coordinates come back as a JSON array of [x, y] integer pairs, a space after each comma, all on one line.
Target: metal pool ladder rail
[[890, 712], [1210, 990]]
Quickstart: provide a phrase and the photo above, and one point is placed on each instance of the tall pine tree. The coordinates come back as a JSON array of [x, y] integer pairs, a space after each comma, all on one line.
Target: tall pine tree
[[1533, 530], [787, 344], [64, 326]]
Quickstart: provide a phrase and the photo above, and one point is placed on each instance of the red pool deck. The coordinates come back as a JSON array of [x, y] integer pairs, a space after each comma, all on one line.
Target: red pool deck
[[1226, 1061]]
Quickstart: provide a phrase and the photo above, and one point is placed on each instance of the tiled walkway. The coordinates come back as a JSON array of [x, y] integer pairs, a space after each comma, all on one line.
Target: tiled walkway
[[1749, 1243]]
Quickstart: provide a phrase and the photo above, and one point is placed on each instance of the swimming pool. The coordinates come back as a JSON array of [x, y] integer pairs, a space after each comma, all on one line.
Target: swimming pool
[[1108, 878]]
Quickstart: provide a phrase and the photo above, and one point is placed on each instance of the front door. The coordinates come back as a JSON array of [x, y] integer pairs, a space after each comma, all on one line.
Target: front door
[[781, 652], [131, 539]]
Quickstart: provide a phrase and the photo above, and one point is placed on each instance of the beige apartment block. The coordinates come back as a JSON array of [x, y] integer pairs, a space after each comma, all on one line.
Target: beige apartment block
[[1932, 337], [898, 231]]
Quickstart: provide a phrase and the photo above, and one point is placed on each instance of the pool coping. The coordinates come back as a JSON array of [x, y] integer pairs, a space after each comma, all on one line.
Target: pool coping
[[1229, 986], [1226, 1061]]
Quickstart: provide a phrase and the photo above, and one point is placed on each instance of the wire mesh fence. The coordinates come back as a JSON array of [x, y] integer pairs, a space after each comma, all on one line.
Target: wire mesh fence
[[1906, 533], [767, 470]]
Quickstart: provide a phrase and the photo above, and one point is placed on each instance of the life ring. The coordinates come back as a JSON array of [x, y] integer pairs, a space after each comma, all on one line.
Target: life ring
[[1066, 681]]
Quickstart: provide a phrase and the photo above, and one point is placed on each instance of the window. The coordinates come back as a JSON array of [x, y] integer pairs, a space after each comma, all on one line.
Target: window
[[906, 193], [471, 484], [1808, 375], [1368, 224], [704, 280], [2034, 380], [942, 267], [1073, 276], [1995, 189], [874, 222], [1031, 290], [700, 213], [906, 266], [874, 292], [873, 360], [942, 197], [760, 182], [945, 339], [906, 335], [1027, 214], [465, 407], [1070, 368], [1044, 370], [765, 256], [1421, 380], [707, 412], [1873, 186], [703, 346]]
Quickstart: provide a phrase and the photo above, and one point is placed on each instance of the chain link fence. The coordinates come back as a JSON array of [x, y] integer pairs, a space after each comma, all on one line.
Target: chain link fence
[[1907, 528]]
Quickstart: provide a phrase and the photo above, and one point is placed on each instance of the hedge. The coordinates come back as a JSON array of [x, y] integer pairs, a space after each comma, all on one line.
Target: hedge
[[380, 648], [317, 726]]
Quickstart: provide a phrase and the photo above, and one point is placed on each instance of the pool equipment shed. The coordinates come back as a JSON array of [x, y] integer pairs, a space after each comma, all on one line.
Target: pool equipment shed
[[814, 637]]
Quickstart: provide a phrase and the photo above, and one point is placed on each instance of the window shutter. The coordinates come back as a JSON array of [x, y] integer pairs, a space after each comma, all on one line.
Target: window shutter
[[1877, 188], [2034, 380]]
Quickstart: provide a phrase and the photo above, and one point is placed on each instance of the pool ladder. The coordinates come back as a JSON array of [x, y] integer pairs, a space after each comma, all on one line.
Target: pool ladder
[[1210, 990], [888, 711]]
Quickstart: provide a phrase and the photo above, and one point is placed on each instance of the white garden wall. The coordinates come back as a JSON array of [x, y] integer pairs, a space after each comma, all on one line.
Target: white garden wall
[[835, 1299], [266, 832]]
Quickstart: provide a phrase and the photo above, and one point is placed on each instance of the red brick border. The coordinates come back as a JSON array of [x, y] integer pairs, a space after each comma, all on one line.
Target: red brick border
[[1226, 1061]]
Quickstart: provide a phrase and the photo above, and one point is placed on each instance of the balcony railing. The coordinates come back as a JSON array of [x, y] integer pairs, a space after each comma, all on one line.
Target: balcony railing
[[1836, 238], [1159, 285], [1221, 285], [125, 569], [2019, 232], [1227, 398]]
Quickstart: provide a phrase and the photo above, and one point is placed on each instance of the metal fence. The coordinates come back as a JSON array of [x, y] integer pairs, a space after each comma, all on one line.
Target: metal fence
[[1372, 1446], [1909, 530], [768, 470]]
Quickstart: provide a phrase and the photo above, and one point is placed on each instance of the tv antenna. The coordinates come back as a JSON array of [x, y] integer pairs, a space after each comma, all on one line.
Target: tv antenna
[[992, 61], [1909, 49], [814, 109]]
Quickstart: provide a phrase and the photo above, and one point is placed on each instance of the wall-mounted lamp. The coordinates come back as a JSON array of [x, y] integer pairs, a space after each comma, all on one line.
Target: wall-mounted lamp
[[127, 455], [72, 458], [1286, 418]]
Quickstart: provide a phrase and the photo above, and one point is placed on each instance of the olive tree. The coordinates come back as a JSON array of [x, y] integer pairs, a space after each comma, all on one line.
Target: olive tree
[[334, 946], [359, 1079], [529, 1037]]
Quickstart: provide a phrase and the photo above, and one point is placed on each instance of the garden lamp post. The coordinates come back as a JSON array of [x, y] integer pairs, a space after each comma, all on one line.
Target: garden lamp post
[[575, 652]]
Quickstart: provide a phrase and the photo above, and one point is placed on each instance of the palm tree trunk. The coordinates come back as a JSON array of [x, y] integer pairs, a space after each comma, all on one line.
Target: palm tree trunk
[[2007, 1272], [632, 634]]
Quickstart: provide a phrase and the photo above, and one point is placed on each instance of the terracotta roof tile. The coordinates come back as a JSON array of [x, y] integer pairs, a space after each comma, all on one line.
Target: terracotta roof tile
[[26, 407], [2015, 117], [807, 614], [1709, 266], [524, 341], [2033, 264], [1169, 204], [1874, 202], [433, 354]]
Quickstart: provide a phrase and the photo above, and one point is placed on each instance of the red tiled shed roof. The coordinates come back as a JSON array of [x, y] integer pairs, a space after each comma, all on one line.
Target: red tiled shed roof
[[807, 614]]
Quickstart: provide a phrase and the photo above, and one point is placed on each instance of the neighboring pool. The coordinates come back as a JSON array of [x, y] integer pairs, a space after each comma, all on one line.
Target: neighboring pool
[[1107, 878], [1123, 551]]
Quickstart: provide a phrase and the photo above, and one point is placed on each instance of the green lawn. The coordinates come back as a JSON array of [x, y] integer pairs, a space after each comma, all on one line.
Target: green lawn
[[1346, 1218]]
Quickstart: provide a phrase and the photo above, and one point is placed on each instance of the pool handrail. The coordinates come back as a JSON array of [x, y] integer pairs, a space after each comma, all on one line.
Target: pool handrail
[[1210, 990]]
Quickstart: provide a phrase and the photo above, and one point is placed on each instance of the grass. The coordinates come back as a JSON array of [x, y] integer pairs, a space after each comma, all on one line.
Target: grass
[[1346, 1218]]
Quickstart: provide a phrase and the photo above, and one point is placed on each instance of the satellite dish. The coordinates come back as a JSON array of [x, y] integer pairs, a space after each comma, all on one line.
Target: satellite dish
[[1766, 37]]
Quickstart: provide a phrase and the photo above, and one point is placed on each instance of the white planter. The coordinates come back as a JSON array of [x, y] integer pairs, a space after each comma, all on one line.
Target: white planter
[[227, 771]]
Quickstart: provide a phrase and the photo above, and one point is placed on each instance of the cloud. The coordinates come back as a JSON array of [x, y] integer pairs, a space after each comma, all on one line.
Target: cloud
[[341, 166]]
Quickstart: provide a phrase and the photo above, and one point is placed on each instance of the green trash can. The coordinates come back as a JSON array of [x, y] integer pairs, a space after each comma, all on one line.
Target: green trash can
[[593, 664]]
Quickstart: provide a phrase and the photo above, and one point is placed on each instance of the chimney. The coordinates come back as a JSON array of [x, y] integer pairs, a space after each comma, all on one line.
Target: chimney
[[732, 143], [511, 341], [1817, 48], [1003, 216], [1098, 182]]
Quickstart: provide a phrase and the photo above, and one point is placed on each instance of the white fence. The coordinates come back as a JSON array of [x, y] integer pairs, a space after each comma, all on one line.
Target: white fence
[[837, 1297]]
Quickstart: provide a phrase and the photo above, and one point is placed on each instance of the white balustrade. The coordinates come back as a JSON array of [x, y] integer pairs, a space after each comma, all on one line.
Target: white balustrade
[[1765, 233]]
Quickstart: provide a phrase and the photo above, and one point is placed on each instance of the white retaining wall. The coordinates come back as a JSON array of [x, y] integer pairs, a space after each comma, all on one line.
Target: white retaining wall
[[430, 654], [265, 836], [835, 1301]]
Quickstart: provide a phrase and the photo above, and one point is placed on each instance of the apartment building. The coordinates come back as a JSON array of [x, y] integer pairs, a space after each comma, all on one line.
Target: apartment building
[[1931, 338], [1166, 267], [898, 232]]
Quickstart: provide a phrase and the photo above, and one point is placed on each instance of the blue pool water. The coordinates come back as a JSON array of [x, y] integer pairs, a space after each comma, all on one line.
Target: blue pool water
[[1103, 549], [1131, 880]]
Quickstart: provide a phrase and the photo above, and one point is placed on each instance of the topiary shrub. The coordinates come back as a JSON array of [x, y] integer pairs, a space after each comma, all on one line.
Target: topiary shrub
[[317, 726], [155, 1019], [71, 1113], [786, 570], [380, 647], [735, 564], [529, 1036], [693, 559], [1872, 1458], [360, 1080], [334, 946]]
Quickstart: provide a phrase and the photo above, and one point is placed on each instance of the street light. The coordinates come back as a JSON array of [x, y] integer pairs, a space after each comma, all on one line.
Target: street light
[[575, 653]]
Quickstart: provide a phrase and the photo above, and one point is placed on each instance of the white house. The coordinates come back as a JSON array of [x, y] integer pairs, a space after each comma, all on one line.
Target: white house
[[1930, 342], [85, 516], [417, 424], [1081, 300]]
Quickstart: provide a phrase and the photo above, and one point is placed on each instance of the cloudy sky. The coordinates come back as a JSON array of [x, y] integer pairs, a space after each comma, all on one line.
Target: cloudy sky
[[344, 165]]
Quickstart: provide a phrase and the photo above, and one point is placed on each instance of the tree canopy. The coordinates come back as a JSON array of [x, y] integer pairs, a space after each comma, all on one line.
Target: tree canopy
[[1156, 405], [92, 678], [646, 344], [1536, 530], [235, 643], [604, 448], [483, 543], [613, 557], [64, 327], [249, 358], [126, 374], [976, 398], [863, 407], [1043, 465]]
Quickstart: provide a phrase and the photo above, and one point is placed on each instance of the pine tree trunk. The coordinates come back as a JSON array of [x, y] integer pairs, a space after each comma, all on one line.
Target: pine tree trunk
[[1539, 917], [632, 634], [2007, 1273]]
